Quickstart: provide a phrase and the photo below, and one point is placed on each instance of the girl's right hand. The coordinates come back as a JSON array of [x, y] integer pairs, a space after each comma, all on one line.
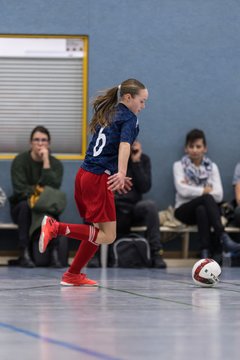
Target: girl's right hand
[[127, 186], [116, 181], [120, 183]]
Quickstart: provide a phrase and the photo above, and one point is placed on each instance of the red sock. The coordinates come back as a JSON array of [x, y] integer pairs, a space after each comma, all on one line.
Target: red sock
[[85, 252], [79, 232]]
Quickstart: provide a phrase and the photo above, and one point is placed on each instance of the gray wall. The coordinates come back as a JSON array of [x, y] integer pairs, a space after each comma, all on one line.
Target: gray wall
[[185, 51]]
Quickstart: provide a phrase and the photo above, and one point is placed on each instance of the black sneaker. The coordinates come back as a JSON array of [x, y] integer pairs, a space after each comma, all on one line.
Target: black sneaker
[[158, 262], [55, 262], [26, 262], [25, 259]]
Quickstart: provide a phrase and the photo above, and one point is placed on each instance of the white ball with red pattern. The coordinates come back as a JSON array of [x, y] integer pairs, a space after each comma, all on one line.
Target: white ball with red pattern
[[206, 272]]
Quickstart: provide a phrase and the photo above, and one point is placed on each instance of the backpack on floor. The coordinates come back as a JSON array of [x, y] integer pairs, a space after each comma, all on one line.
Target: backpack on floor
[[132, 251]]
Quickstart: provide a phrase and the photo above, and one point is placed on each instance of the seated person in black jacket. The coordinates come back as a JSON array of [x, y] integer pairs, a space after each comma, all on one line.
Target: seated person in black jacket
[[133, 210]]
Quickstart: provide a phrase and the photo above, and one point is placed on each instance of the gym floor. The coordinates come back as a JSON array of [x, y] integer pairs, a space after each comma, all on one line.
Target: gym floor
[[133, 314]]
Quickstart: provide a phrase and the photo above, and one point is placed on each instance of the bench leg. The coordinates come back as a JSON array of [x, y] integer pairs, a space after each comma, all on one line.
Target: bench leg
[[104, 254], [185, 245]]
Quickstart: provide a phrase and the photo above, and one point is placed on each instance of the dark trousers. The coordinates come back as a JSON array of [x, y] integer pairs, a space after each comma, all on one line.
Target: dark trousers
[[237, 215], [144, 213], [204, 212], [21, 215]]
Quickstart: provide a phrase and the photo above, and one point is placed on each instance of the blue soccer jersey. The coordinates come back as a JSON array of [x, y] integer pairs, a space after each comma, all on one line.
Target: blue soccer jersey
[[102, 153]]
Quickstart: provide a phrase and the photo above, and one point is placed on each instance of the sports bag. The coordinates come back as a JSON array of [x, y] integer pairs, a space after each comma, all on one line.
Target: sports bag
[[132, 251]]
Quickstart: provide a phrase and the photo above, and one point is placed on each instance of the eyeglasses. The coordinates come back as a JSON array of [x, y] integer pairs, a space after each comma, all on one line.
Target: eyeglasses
[[37, 140]]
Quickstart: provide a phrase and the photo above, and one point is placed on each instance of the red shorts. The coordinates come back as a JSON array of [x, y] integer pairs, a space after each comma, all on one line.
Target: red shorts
[[94, 201]]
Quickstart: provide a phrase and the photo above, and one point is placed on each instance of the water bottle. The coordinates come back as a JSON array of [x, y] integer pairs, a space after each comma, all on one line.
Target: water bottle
[[226, 259]]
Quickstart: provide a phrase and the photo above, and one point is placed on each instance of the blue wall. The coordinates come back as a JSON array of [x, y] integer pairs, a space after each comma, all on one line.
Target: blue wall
[[186, 52]]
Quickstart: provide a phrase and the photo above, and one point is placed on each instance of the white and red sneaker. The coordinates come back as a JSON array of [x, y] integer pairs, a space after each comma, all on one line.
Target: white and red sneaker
[[49, 231], [69, 279]]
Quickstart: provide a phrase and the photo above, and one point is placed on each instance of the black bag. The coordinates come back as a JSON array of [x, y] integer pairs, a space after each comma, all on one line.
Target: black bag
[[132, 251]]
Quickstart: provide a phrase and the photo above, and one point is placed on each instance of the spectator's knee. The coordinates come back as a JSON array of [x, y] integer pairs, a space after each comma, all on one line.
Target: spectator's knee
[[200, 210], [149, 205], [208, 198]]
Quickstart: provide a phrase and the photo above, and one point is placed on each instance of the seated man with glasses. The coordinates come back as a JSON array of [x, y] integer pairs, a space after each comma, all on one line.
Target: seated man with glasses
[[36, 173]]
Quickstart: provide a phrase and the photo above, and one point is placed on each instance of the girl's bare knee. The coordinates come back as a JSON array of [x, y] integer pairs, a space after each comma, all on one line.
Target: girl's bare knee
[[106, 237], [109, 239]]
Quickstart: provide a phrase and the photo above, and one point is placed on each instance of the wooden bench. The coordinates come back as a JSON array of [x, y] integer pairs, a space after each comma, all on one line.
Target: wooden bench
[[185, 232], [8, 226]]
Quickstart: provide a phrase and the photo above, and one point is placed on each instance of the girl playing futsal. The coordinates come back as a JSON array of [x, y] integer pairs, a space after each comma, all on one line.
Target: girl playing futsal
[[114, 127]]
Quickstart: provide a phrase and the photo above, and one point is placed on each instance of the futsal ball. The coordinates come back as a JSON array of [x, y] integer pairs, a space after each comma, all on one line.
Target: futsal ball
[[206, 272]]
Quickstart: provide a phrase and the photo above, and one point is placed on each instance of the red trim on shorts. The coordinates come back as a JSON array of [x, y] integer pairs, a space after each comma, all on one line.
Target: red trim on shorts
[[94, 201]]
